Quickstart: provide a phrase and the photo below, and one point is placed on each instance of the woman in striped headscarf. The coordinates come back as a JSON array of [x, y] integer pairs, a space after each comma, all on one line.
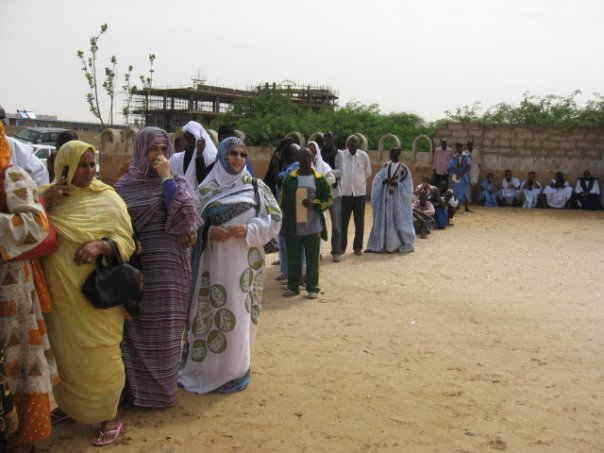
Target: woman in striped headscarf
[[164, 215], [240, 215]]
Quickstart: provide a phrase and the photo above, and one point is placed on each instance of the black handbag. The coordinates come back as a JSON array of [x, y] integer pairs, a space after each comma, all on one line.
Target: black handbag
[[113, 284]]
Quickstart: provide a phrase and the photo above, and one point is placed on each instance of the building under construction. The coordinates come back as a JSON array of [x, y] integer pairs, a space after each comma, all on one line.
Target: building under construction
[[170, 108]]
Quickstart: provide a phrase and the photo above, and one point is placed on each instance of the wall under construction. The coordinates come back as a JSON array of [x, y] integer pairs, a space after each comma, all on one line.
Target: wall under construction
[[170, 108]]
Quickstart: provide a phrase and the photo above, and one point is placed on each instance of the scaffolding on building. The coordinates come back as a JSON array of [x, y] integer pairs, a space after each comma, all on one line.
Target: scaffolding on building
[[170, 108]]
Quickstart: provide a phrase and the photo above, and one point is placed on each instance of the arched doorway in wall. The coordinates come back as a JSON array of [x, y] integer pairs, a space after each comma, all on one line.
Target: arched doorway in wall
[[385, 137], [297, 137], [414, 146]]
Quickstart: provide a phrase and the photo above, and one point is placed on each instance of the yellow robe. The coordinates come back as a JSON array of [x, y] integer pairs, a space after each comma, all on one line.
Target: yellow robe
[[85, 340]]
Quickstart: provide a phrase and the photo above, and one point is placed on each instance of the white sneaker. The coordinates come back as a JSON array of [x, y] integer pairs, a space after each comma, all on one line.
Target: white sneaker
[[312, 295]]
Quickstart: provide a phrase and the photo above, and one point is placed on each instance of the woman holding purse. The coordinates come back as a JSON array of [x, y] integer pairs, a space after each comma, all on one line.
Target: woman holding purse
[[86, 340]]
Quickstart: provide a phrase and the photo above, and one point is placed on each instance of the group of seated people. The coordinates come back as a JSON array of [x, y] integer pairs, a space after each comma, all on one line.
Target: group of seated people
[[530, 193], [434, 207]]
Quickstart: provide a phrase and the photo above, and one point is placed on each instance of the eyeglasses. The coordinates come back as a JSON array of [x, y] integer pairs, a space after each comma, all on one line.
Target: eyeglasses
[[238, 154]]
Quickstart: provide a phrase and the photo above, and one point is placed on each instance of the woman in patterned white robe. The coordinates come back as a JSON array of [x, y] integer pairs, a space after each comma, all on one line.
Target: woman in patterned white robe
[[227, 287]]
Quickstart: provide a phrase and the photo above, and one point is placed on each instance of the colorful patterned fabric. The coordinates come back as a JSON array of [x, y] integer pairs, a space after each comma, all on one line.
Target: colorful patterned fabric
[[152, 341], [8, 414], [29, 365], [227, 289]]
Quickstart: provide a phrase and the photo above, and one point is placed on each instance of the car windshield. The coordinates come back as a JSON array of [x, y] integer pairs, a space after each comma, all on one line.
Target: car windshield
[[26, 134]]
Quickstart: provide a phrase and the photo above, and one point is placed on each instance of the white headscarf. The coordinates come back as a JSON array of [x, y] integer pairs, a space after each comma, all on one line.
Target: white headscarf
[[320, 165], [222, 182], [198, 131]]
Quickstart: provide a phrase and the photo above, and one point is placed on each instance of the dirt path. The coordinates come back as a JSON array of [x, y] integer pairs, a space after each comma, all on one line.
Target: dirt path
[[489, 337]]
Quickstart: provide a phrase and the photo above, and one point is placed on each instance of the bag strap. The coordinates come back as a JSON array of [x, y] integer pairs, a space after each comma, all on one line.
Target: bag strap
[[256, 194], [116, 253]]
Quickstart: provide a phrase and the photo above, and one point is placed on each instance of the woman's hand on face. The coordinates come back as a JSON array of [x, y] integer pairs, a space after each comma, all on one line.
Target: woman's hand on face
[[218, 234], [162, 166], [88, 253], [238, 231], [201, 145]]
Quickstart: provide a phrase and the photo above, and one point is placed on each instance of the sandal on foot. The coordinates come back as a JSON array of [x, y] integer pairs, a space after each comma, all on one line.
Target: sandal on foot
[[107, 437], [57, 416]]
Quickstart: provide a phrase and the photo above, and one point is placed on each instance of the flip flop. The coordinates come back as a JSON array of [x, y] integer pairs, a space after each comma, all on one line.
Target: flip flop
[[57, 416], [107, 437]]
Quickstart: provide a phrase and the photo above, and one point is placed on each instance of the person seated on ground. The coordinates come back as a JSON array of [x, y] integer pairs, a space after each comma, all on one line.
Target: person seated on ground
[[530, 191], [559, 192], [509, 194], [587, 191], [441, 212], [423, 215], [488, 195], [451, 199], [425, 186]]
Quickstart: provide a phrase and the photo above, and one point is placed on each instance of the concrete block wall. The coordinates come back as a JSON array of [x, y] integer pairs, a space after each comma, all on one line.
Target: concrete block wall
[[524, 148]]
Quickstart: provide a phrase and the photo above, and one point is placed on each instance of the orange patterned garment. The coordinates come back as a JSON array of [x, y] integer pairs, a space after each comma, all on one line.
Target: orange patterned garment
[[29, 363]]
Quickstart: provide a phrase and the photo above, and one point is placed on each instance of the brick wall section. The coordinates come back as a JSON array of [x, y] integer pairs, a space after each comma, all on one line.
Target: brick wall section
[[522, 148]]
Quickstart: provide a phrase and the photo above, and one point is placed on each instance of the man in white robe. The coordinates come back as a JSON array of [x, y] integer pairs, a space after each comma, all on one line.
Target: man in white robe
[[509, 195], [559, 192], [530, 191]]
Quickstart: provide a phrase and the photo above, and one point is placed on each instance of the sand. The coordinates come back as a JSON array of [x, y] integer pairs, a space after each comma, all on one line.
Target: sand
[[488, 337]]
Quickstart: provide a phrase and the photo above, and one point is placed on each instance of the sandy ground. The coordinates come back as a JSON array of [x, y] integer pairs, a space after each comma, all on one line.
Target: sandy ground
[[489, 337]]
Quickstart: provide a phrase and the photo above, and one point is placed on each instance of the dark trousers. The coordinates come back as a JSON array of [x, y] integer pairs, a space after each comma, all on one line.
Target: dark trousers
[[295, 246], [335, 211], [437, 179], [356, 207]]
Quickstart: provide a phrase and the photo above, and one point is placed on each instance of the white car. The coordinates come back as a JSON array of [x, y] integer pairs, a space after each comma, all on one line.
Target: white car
[[43, 151]]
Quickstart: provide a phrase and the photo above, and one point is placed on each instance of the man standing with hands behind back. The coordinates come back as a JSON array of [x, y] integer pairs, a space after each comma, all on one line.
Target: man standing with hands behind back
[[356, 168]]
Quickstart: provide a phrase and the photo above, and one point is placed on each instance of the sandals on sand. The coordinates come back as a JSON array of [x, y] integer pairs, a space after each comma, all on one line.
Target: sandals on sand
[[57, 416], [107, 437]]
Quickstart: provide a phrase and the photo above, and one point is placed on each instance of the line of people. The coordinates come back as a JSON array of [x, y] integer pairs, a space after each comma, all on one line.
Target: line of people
[[308, 182], [203, 262], [530, 193]]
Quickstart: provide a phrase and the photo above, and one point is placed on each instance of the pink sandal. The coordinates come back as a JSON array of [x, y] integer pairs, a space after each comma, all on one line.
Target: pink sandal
[[107, 437]]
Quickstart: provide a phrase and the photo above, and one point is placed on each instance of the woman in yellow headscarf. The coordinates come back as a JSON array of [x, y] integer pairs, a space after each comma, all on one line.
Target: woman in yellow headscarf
[[29, 364], [86, 340]]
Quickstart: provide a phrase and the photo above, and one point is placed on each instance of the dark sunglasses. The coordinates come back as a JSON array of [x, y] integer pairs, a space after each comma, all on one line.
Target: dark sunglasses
[[238, 154]]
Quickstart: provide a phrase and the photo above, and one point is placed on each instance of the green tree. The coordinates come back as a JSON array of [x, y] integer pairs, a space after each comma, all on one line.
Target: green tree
[[89, 68], [267, 118], [550, 110]]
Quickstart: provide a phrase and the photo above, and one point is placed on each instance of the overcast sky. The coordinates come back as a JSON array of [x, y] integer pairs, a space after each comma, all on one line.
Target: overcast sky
[[414, 56]]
